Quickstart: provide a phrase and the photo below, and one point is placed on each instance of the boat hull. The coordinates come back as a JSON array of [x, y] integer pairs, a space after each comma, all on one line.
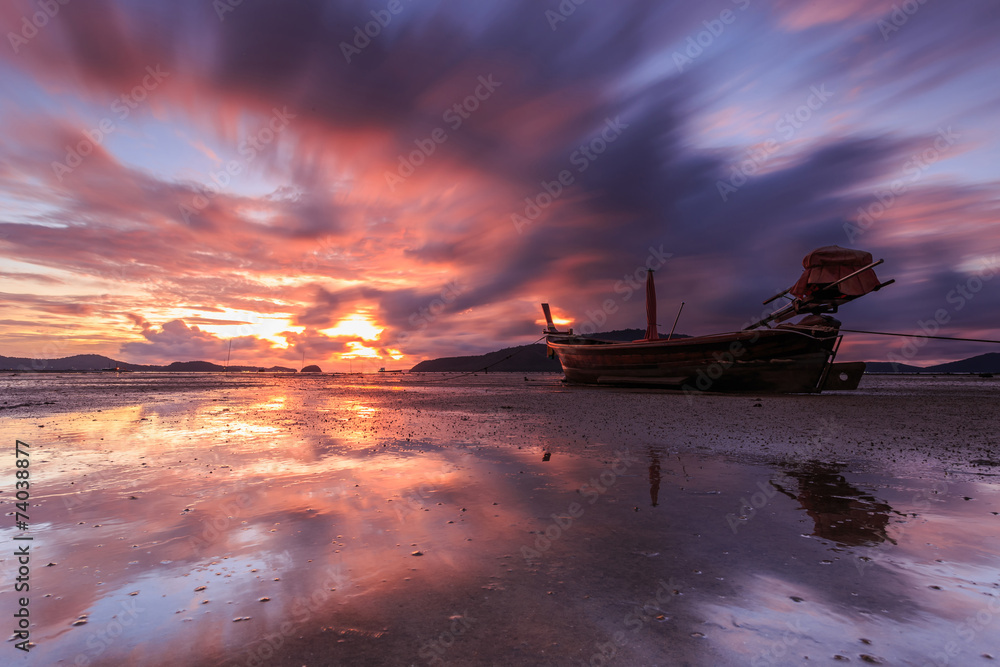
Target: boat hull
[[769, 360]]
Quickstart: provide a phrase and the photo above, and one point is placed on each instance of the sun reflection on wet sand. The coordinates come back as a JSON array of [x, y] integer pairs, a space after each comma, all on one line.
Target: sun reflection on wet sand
[[311, 521]]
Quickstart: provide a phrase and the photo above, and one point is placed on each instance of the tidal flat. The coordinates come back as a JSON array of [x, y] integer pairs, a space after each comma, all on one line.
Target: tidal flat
[[501, 519]]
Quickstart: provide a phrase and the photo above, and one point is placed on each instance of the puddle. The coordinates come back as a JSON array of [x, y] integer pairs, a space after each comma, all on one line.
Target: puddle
[[276, 520]]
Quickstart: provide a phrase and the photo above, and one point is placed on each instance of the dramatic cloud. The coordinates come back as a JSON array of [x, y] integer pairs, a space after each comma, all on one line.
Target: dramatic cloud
[[335, 180]]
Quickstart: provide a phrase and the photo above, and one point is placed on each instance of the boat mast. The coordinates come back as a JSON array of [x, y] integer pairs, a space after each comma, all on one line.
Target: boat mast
[[670, 335], [651, 332], [229, 354]]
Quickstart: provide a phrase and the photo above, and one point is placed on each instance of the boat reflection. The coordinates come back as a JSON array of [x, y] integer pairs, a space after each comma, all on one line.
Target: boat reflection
[[654, 477], [841, 512]]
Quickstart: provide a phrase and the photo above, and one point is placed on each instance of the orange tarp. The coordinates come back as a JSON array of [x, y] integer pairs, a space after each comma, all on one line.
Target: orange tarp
[[831, 263]]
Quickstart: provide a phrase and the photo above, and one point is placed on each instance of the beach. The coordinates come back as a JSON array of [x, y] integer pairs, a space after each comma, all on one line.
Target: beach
[[500, 519]]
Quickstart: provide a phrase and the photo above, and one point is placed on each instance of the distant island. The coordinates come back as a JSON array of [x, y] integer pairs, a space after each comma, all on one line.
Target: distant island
[[982, 363], [96, 362], [528, 359], [520, 359], [532, 359]]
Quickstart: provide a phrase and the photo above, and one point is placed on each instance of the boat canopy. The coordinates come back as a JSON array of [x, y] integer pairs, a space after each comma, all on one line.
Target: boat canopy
[[831, 264], [833, 276]]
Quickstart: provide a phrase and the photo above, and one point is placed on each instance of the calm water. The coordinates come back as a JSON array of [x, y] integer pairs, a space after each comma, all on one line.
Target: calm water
[[260, 519]]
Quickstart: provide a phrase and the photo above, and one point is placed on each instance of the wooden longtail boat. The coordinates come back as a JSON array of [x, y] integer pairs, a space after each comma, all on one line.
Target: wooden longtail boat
[[784, 358]]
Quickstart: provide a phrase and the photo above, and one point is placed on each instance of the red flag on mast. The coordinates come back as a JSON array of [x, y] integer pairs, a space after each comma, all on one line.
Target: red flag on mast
[[651, 333]]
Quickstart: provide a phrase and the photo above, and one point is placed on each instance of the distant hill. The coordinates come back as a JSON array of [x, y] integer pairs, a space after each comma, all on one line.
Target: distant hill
[[532, 359], [194, 367], [526, 359], [523, 358], [96, 362], [889, 367], [79, 362], [983, 363]]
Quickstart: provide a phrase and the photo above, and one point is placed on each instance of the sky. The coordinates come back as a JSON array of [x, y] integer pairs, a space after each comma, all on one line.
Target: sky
[[368, 184]]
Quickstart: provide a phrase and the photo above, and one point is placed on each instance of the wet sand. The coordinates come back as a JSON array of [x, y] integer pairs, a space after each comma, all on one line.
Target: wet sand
[[265, 519]]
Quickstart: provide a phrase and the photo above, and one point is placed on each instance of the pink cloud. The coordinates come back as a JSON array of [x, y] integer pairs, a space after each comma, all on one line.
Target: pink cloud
[[797, 15]]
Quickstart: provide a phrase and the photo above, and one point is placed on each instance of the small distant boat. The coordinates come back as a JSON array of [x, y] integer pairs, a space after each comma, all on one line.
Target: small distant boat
[[786, 358], [383, 370]]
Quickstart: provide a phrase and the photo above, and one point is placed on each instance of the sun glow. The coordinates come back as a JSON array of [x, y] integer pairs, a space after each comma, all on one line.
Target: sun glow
[[246, 323], [358, 350], [357, 325], [360, 326]]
